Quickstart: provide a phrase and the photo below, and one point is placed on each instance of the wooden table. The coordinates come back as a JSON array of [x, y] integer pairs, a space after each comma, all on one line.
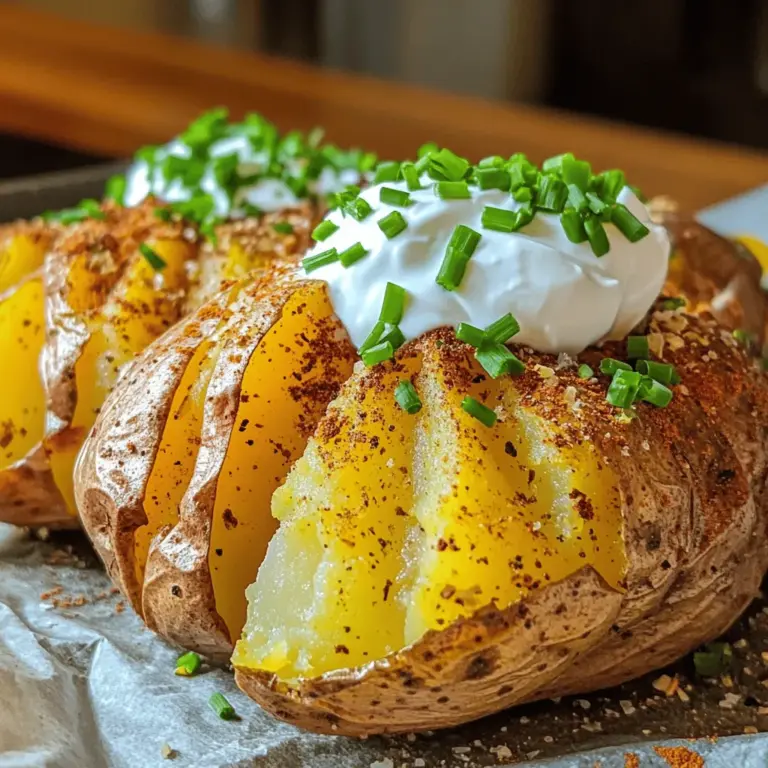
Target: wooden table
[[112, 90]]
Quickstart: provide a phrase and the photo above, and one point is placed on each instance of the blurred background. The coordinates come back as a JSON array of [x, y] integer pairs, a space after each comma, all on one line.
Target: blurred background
[[699, 67]]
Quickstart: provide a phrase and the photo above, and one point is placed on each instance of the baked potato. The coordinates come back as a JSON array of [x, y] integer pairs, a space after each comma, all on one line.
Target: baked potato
[[421, 570], [79, 301]]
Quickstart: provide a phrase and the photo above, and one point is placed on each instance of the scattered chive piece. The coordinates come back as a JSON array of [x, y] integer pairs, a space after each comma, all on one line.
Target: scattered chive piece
[[283, 227], [407, 397], [358, 208], [492, 178], [497, 360], [188, 664], [115, 188], [629, 226], [499, 219], [378, 354], [714, 660], [612, 184], [503, 329], [164, 214], [393, 304], [478, 411], [452, 190], [595, 204], [638, 348], [85, 209], [655, 393], [576, 198], [372, 339], [596, 236], [392, 224], [386, 172], [492, 161], [324, 230], [449, 166], [624, 388], [552, 194], [609, 366], [153, 257], [745, 338], [470, 335], [427, 149], [311, 263], [576, 172], [396, 197], [585, 372], [524, 216], [352, 254], [392, 334], [222, 707], [555, 164], [573, 226], [460, 248], [411, 176], [661, 372], [522, 194], [675, 303]]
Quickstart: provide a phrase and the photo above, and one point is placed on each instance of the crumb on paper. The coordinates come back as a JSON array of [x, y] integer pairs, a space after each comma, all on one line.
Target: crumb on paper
[[385, 763], [680, 757], [168, 752]]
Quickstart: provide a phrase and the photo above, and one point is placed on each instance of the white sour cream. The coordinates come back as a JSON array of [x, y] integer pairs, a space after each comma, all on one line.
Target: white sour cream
[[564, 297]]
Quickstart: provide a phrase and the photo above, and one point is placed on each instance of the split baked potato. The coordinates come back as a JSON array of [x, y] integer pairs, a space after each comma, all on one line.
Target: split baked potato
[[418, 571], [77, 302]]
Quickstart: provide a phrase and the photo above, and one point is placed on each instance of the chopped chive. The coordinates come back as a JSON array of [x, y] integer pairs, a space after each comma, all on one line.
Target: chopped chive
[[492, 161], [154, 259], [478, 411], [460, 248], [576, 172], [576, 198], [585, 372], [372, 339], [612, 184], [655, 393], [219, 704], [596, 205], [573, 226], [427, 149], [638, 348], [283, 227], [470, 335], [524, 216], [115, 188], [629, 225], [609, 366], [661, 372], [624, 388], [392, 334], [674, 303], [386, 172], [358, 208], [378, 354], [744, 337], [164, 214], [393, 304], [521, 173], [499, 219], [452, 190], [188, 664], [522, 194], [392, 224], [503, 329], [422, 164], [555, 164], [397, 197], [352, 254], [407, 397], [714, 660], [497, 360], [492, 178], [596, 236], [311, 263], [324, 230], [411, 176], [553, 194], [449, 166]]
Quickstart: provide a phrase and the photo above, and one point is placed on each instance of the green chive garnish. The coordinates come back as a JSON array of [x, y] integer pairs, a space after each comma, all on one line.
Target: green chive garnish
[[115, 188], [470, 335], [358, 208], [311, 263], [411, 176], [655, 393], [503, 329], [188, 664], [283, 227], [595, 204], [452, 190], [448, 166], [553, 194], [522, 195], [638, 348], [596, 236], [478, 411], [612, 182], [386, 172], [164, 214], [497, 360], [407, 397], [382, 333], [673, 304], [609, 366], [153, 257], [396, 197], [499, 219], [745, 338], [576, 172], [222, 707], [629, 226], [460, 248], [425, 150], [624, 388], [576, 198], [393, 304], [585, 372], [555, 164], [392, 224], [378, 354], [573, 225], [493, 161], [324, 230], [714, 660], [664, 373], [492, 178], [86, 209], [352, 254]]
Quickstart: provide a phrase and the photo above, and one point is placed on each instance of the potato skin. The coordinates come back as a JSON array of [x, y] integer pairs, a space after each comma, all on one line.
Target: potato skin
[[693, 482]]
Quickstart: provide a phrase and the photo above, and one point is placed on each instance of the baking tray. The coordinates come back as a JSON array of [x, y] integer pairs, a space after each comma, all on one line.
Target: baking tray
[[83, 684]]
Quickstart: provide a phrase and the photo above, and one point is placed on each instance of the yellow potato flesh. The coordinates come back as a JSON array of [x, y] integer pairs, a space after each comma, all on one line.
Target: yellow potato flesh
[[281, 401], [492, 514], [19, 257], [327, 593], [141, 307], [22, 399]]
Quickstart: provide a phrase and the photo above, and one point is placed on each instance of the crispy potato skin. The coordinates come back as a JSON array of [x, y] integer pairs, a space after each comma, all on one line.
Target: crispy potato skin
[[693, 481]]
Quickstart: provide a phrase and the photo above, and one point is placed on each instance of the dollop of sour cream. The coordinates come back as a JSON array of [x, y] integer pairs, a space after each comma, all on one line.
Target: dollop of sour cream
[[266, 194], [564, 297]]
